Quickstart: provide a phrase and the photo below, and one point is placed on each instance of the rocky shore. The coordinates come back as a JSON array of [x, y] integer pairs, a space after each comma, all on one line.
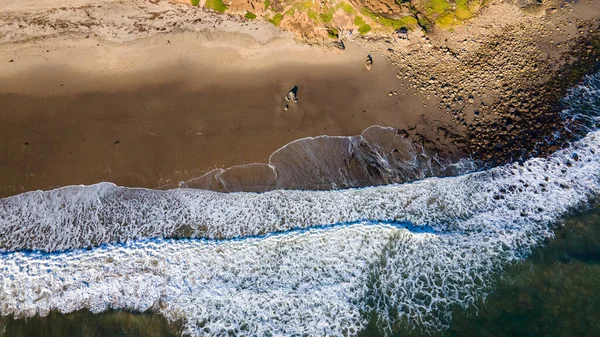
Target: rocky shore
[[501, 77]]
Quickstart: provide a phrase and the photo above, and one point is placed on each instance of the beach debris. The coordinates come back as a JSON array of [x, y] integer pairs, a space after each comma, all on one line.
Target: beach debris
[[369, 62], [11, 61], [292, 95]]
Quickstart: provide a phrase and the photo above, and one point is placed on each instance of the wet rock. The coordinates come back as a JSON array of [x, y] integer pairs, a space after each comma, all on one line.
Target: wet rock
[[369, 62], [292, 95]]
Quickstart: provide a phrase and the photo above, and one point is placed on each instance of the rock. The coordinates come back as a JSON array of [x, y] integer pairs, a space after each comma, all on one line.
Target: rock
[[369, 62], [292, 95], [402, 33], [286, 107], [390, 94]]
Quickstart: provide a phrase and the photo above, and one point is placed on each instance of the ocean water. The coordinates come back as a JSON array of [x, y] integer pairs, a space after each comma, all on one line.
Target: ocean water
[[414, 258], [552, 293]]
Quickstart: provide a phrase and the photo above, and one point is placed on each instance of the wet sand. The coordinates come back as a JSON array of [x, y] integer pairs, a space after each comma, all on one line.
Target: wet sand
[[165, 109]]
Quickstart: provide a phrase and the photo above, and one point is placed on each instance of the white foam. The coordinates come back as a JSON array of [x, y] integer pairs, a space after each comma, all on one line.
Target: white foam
[[299, 283]]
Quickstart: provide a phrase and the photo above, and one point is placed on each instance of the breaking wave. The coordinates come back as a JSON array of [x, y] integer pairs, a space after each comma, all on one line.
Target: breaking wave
[[288, 262]]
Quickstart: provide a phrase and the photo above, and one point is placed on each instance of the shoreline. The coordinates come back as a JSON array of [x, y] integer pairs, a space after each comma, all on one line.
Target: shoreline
[[185, 106]]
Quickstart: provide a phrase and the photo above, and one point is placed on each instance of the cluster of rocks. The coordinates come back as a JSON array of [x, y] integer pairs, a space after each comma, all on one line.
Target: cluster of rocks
[[291, 97], [501, 89]]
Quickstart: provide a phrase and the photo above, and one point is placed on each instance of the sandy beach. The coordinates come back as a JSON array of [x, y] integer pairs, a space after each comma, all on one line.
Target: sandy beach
[[164, 109]]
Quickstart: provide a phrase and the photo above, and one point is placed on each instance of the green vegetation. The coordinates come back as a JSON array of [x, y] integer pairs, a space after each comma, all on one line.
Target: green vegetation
[[359, 21], [446, 21], [463, 14], [276, 20], [327, 16], [346, 7], [424, 23], [333, 33], [290, 12], [408, 21], [462, 9], [445, 16], [250, 16], [195, 2], [217, 5], [303, 6], [364, 29], [313, 15], [267, 4], [438, 6]]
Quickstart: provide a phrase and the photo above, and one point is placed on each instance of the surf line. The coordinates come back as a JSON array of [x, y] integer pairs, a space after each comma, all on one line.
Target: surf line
[[407, 225]]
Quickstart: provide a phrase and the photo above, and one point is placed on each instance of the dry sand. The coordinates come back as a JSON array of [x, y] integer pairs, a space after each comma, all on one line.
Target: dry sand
[[168, 108]]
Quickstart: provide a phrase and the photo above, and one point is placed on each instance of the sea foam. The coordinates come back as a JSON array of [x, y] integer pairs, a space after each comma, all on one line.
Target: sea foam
[[280, 271]]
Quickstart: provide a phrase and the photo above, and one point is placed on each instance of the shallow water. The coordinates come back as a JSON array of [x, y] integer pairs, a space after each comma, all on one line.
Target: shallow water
[[86, 324]]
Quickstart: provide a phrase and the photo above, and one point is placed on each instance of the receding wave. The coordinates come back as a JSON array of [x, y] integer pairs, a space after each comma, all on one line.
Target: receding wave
[[295, 262], [379, 156]]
